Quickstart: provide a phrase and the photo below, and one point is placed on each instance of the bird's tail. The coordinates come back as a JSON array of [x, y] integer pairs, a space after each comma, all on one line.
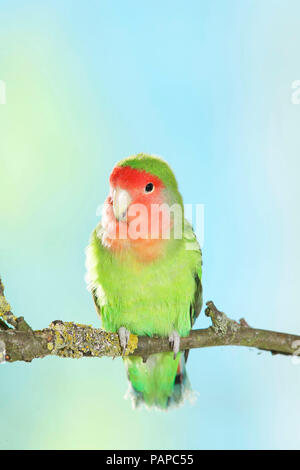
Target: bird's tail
[[161, 381]]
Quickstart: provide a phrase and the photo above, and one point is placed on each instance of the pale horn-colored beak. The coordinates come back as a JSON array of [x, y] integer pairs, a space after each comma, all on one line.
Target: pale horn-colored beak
[[121, 201]]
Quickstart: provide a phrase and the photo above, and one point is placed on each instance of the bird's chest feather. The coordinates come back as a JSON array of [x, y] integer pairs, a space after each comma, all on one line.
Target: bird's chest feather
[[151, 298]]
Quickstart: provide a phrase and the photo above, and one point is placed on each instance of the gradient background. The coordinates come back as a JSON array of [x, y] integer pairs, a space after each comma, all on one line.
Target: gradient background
[[206, 85]]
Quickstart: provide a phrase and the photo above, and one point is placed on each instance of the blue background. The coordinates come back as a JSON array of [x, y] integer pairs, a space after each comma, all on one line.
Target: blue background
[[206, 85]]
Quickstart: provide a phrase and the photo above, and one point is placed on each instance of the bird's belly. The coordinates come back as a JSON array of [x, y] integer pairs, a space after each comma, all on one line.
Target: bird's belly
[[148, 299], [158, 307]]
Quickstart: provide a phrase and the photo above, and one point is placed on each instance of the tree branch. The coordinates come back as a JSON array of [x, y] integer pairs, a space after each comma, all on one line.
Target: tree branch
[[67, 339]]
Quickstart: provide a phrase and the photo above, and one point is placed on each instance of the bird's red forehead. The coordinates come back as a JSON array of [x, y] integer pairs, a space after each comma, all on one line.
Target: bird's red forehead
[[126, 177]]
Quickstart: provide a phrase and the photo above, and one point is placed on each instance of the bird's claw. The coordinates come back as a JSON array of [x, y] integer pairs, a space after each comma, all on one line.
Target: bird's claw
[[124, 335], [174, 340]]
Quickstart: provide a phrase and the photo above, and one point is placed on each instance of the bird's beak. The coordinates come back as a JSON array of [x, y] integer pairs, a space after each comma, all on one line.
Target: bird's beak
[[121, 201]]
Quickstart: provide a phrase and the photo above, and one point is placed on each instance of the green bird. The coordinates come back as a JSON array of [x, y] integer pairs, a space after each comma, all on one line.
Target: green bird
[[144, 272]]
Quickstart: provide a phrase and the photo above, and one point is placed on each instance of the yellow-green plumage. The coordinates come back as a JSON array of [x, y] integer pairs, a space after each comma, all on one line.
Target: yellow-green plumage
[[153, 298]]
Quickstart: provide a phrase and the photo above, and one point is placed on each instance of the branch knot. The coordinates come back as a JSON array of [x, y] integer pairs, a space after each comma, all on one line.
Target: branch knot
[[221, 324]]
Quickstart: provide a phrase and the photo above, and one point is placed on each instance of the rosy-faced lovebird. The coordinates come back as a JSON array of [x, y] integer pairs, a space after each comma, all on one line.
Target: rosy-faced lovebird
[[144, 272]]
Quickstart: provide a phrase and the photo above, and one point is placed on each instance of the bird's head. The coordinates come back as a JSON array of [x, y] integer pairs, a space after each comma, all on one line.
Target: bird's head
[[143, 188]]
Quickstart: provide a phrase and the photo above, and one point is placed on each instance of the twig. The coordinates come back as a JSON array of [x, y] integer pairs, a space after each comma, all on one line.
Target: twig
[[7, 316]]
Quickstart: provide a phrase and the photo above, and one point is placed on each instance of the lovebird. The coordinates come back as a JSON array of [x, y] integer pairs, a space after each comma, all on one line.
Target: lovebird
[[144, 268]]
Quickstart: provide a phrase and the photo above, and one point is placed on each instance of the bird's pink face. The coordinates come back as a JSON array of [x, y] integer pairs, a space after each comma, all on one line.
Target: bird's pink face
[[135, 211]]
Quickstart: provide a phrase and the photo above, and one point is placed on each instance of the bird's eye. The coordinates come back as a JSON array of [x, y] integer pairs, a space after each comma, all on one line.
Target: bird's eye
[[149, 188]]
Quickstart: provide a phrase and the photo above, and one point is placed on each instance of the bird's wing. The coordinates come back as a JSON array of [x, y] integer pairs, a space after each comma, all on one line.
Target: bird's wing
[[193, 246], [92, 278]]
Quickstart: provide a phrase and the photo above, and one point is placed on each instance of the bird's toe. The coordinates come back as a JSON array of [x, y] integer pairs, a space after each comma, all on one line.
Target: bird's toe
[[174, 340], [124, 335]]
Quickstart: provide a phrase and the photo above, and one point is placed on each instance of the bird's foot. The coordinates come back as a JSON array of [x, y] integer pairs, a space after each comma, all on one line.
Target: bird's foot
[[123, 334], [174, 340]]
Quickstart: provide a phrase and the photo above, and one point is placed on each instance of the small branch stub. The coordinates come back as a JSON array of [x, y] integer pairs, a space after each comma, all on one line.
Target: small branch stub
[[221, 324]]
